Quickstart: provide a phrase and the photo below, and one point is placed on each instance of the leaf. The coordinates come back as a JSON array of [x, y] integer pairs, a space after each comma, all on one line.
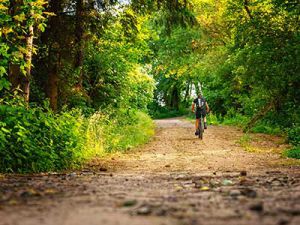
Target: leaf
[[2, 71], [5, 130], [4, 84], [21, 17], [42, 27], [3, 8]]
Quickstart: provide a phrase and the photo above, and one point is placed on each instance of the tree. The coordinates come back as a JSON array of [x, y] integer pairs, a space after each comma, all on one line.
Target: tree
[[22, 18]]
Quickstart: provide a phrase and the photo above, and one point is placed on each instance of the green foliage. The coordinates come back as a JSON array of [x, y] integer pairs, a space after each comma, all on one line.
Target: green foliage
[[15, 20], [125, 129], [4, 47], [294, 136], [235, 120], [213, 119], [293, 153], [110, 55], [117, 82], [157, 111], [267, 129], [245, 140], [245, 54], [35, 140]]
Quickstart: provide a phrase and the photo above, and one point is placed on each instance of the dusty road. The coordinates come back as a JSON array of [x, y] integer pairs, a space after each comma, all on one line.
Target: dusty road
[[175, 179]]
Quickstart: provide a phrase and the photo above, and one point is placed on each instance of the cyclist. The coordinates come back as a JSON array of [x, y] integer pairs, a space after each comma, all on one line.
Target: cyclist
[[201, 109]]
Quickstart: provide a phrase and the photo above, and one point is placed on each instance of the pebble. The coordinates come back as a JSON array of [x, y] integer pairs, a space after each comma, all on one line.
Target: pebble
[[144, 210], [26, 194], [161, 212], [257, 207], [243, 173], [72, 174], [283, 221], [276, 183], [250, 193], [227, 182], [180, 177], [129, 203], [234, 193]]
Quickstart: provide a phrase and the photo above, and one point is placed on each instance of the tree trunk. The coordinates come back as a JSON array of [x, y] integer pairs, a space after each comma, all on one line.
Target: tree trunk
[[54, 53], [175, 98], [16, 77], [79, 32], [187, 91], [25, 84], [53, 80]]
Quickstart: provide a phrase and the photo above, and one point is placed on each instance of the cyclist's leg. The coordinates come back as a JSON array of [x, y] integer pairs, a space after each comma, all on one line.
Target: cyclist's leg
[[198, 116], [204, 119], [197, 124]]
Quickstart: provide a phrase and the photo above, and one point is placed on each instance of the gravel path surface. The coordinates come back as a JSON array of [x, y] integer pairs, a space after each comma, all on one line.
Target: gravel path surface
[[174, 179]]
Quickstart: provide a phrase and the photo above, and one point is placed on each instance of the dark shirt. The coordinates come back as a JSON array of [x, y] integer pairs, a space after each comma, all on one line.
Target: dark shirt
[[200, 103]]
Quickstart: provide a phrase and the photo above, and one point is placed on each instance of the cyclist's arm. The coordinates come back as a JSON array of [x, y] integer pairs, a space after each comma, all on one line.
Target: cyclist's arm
[[193, 107]]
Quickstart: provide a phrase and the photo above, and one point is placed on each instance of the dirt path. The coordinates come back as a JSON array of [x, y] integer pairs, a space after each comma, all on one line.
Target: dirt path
[[175, 179]]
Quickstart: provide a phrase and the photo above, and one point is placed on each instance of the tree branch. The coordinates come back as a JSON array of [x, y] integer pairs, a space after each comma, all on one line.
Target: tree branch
[[246, 6]]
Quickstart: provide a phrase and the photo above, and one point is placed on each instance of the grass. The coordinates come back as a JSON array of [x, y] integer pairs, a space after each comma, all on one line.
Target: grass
[[292, 153], [267, 129], [135, 130], [67, 140], [245, 142]]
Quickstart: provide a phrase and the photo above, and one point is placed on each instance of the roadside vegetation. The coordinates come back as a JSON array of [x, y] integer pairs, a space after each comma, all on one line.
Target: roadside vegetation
[[79, 78], [243, 56]]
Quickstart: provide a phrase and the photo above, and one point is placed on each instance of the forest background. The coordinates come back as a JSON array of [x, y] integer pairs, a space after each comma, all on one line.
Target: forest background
[[79, 78]]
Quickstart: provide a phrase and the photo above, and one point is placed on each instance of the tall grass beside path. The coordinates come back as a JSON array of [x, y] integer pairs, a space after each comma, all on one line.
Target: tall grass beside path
[[36, 140]]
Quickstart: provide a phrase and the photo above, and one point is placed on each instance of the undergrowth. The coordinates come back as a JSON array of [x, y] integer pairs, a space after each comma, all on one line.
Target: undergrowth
[[293, 153], [37, 140], [293, 138]]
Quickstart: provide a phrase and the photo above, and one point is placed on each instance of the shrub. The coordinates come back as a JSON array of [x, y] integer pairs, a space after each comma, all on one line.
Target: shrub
[[236, 120], [34, 140], [123, 130], [294, 135], [267, 129], [293, 153], [157, 111]]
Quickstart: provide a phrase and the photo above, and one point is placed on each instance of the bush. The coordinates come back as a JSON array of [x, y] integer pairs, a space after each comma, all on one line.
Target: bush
[[293, 153], [157, 111], [123, 130], [267, 129], [236, 120], [294, 135], [32, 140]]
